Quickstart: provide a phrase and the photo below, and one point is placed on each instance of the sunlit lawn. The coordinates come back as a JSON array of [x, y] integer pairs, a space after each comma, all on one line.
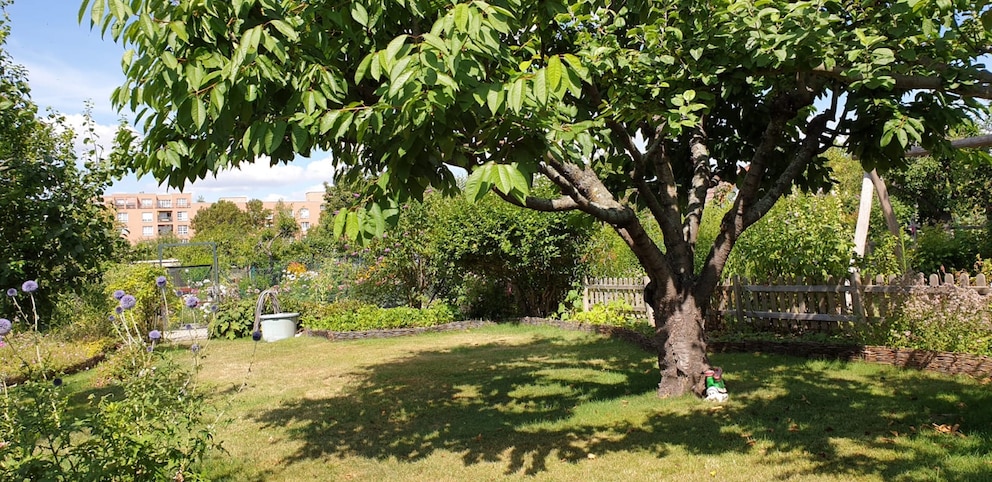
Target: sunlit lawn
[[538, 403]]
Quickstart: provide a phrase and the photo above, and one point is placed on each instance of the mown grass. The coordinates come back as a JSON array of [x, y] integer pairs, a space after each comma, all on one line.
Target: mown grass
[[537, 403]]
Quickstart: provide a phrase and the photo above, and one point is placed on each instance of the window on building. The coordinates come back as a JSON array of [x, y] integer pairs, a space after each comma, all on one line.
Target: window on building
[[165, 203], [146, 203], [304, 213], [182, 216], [182, 202], [146, 217], [148, 231], [304, 226], [182, 230], [122, 217]]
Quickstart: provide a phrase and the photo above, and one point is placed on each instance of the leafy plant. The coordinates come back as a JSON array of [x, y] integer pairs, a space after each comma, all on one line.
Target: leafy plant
[[141, 282], [944, 318], [234, 319], [151, 428], [615, 313], [347, 316]]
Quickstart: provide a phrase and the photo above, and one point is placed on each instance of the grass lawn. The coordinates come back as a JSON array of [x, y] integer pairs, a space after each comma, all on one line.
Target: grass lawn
[[537, 403]]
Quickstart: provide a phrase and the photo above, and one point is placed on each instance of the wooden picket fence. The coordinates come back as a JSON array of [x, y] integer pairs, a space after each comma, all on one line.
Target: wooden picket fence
[[600, 291], [791, 304]]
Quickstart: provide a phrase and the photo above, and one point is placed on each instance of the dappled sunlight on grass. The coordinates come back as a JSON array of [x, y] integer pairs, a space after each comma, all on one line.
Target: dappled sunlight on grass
[[539, 403]]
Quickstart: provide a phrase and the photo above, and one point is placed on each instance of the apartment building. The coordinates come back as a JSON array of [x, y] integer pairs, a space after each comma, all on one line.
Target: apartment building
[[147, 216]]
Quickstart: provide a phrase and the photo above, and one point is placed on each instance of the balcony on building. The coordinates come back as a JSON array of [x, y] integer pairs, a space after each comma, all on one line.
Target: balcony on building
[[165, 216], [164, 229]]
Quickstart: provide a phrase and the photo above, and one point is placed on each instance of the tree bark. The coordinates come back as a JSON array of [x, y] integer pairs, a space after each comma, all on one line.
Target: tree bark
[[681, 342]]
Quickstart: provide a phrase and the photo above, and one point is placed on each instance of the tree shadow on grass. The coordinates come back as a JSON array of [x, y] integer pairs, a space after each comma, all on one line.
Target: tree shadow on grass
[[524, 405]]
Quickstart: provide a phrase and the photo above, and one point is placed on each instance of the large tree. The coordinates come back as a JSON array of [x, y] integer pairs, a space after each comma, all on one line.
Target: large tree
[[622, 105], [53, 229]]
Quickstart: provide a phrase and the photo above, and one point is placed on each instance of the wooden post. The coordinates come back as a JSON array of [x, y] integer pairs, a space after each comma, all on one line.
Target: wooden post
[[857, 295], [740, 300]]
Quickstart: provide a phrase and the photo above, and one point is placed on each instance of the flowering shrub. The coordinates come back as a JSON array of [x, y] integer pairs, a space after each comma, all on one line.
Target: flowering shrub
[[153, 430], [942, 318], [153, 302]]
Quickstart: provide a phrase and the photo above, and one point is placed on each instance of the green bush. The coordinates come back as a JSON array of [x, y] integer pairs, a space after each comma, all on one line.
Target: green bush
[[139, 280], [350, 316], [943, 318], [234, 318], [943, 250], [615, 313], [807, 236], [83, 315]]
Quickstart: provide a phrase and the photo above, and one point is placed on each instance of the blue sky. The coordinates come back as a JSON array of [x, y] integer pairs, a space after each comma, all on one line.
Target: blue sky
[[68, 65]]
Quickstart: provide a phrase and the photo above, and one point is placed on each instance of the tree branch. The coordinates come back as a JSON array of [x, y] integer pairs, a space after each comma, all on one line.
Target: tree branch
[[917, 82], [563, 203], [700, 186]]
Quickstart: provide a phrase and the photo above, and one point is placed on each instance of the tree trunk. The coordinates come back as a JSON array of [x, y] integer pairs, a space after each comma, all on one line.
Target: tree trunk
[[682, 347]]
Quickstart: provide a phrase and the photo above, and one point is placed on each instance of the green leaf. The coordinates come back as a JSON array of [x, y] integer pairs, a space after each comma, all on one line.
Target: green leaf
[[285, 29], [494, 99], [511, 181], [198, 112], [178, 27], [436, 42], [515, 99], [541, 87], [461, 15], [363, 68], [478, 182], [883, 56], [339, 222], [394, 46], [359, 14], [352, 225], [554, 72]]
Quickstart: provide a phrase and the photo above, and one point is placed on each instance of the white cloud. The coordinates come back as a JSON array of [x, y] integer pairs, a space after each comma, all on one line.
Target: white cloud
[[102, 135], [66, 88], [268, 183]]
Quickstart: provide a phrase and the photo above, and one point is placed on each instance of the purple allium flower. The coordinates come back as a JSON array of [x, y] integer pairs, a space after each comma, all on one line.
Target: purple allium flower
[[160, 281], [155, 335], [188, 326], [128, 302], [5, 326], [118, 294], [150, 348], [12, 292], [213, 308], [192, 301], [118, 309], [112, 318], [256, 335], [57, 382], [29, 286], [195, 347]]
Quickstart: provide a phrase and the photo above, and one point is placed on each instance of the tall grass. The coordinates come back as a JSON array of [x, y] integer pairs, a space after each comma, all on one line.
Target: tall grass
[[536, 403]]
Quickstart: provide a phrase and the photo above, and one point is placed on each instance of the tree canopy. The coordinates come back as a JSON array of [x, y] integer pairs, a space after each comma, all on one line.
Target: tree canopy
[[622, 106], [52, 226]]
